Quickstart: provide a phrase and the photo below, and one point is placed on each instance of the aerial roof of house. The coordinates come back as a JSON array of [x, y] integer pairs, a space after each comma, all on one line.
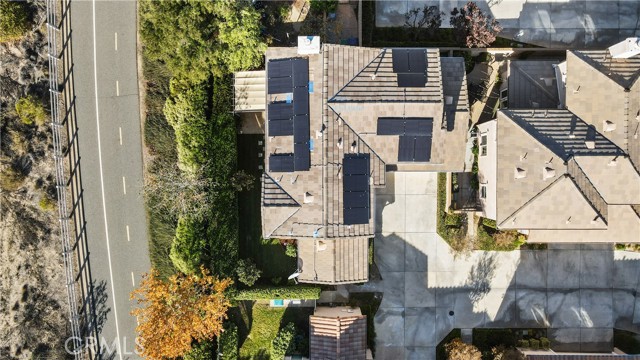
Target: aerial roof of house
[[337, 333], [531, 84], [336, 122]]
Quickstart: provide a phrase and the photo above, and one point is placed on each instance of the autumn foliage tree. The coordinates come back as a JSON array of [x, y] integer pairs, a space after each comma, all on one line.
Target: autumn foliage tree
[[178, 312], [473, 27], [457, 350]]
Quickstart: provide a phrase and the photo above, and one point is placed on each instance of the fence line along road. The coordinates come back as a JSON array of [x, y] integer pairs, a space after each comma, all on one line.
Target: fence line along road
[[83, 329]]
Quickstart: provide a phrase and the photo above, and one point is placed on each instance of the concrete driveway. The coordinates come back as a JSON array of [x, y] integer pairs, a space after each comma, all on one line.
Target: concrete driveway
[[574, 24], [579, 292]]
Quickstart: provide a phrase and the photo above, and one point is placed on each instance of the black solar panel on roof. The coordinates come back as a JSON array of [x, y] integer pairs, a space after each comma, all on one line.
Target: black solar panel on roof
[[414, 148], [355, 186], [280, 127], [302, 157], [417, 126], [390, 126], [300, 72], [280, 110], [412, 80], [281, 163], [417, 60], [279, 68], [301, 100], [400, 58], [301, 127], [279, 85]]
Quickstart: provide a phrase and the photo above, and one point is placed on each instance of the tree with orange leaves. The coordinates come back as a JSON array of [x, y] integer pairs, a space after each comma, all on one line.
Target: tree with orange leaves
[[175, 313]]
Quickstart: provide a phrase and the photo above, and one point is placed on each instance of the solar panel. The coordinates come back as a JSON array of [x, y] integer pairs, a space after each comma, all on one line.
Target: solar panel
[[279, 68], [417, 126], [301, 100], [300, 72], [280, 127], [279, 85], [390, 126], [301, 129], [417, 60], [406, 146], [280, 110], [400, 58], [281, 162], [355, 186], [412, 80], [302, 156], [422, 150]]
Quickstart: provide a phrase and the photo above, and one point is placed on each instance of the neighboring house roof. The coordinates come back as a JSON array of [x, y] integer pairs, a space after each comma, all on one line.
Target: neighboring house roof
[[338, 333], [583, 357], [531, 84], [249, 90], [348, 90]]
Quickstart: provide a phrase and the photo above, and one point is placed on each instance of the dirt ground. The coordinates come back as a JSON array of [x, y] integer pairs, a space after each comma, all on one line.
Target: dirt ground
[[33, 306]]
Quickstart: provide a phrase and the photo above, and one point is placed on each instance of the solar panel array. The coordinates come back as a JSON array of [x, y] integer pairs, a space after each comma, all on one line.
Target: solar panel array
[[355, 185], [290, 117], [415, 136], [410, 65]]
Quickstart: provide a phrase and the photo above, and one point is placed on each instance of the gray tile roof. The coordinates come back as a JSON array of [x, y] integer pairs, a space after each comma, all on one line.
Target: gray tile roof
[[532, 84], [623, 71], [333, 260]]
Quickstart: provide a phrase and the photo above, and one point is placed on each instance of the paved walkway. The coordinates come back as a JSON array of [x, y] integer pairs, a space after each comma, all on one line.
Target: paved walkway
[[554, 23], [580, 292]]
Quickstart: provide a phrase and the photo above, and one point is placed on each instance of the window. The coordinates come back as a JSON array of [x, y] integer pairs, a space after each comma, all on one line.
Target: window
[[504, 98], [483, 145], [483, 191]]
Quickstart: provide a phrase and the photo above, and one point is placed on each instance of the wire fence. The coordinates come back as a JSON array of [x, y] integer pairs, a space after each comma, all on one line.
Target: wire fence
[[82, 311]]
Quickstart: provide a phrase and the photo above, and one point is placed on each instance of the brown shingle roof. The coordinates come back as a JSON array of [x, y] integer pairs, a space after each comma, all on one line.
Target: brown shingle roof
[[341, 336]]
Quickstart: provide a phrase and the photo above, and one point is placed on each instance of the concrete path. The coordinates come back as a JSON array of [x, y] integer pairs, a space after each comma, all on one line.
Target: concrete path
[[580, 292], [575, 24]]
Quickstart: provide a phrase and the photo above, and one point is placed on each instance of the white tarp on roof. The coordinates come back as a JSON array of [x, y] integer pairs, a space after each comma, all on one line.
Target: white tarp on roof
[[249, 91]]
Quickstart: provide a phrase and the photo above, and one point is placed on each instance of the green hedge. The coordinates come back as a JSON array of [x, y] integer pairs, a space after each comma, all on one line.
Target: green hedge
[[201, 351], [489, 223], [299, 292], [228, 343]]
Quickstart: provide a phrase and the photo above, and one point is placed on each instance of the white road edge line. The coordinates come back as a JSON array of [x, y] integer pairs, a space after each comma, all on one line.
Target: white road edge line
[[120, 133], [104, 202], [124, 185], [117, 88], [128, 237], [133, 280], [116, 40]]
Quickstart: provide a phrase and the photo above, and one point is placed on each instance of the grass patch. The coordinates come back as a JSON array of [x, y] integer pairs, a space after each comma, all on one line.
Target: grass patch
[[441, 353], [11, 178], [258, 325], [368, 304], [451, 227], [626, 341], [269, 255], [162, 229]]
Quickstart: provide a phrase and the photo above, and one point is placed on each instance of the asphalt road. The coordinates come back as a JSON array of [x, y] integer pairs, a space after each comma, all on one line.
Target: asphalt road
[[106, 85]]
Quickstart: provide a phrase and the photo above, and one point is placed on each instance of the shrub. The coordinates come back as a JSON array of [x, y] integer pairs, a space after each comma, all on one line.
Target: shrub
[[188, 245], [291, 250], [11, 179], [457, 350], [298, 292], [202, 351], [47, 203], [248, 272], [228, 343], [453, 219], [31, 111], [544, 343], [535, 344], [283, 342], [371, 252], [489, 223], [14, 20], [524, 343]]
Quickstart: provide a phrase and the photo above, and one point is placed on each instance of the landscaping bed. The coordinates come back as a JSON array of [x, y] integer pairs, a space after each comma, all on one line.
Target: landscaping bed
[[491, 239]]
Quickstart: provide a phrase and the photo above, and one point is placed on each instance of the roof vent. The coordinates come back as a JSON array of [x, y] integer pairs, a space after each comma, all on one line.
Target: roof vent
[[613, 162], [590, 144], [596, 220], [568, 220], [548, 173], [308, 198], [321, 246], [523, 157], [354, 146], [548, 81], [448, 100], [520, 173], [576, 90], [339, 143], [625, 49], [608, 126], [373, 76]]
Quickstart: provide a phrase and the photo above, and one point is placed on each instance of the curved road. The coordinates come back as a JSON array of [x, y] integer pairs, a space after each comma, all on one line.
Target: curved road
[[107, 105]]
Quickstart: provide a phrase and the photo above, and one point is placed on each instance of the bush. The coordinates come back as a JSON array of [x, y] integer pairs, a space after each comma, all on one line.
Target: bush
[[545, 343], [291, 251], [47, 203], [14, 20], [489, 223], [31, 111], [298, 292], [187, 249], [248, 272], [11, 179], [228, 343], [453, 219], [201, 351], [284, 342], [524, 343], [535, 344]]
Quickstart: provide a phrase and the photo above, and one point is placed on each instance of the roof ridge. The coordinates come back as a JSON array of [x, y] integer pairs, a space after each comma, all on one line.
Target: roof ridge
[[344, 122], [380, 53], [534, 198], [535, 83]]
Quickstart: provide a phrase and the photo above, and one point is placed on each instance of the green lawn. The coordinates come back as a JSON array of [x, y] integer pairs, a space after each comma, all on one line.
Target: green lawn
[[258, 325], [268, 255]]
